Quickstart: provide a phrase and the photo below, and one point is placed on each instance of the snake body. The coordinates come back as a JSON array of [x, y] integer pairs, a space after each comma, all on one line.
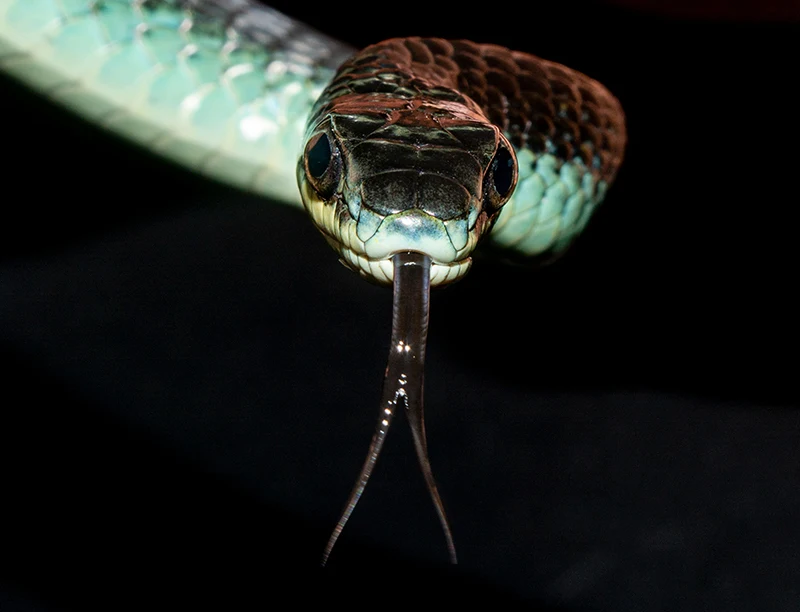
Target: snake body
[[223, 87], [409, 154]]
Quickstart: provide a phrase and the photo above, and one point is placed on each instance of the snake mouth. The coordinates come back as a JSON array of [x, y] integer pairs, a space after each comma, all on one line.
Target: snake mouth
[[366, 245], [382, 270]]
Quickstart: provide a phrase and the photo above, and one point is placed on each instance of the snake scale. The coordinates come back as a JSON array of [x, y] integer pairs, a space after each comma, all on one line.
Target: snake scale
[[409, 154]]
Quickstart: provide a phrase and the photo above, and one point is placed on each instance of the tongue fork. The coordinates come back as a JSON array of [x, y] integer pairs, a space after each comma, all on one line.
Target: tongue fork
[[403, 384]]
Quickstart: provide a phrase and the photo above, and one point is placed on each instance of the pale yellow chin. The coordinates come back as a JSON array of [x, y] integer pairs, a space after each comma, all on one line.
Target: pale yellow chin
[[382, 270], [339, 229]]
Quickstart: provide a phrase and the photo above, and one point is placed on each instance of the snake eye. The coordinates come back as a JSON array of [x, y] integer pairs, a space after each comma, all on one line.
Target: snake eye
[[323, 164], [500, 178], [503, 172]]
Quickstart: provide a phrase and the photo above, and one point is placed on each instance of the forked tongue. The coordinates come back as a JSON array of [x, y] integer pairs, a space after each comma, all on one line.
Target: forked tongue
[[403, 383]]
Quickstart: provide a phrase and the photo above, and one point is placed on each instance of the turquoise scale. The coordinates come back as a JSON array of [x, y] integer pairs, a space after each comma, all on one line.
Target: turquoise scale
[[550, 207], [163, 77]]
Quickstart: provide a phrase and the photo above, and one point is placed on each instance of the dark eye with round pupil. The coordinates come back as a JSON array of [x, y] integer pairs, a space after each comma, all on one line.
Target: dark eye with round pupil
[[318, 157], [503, 171]]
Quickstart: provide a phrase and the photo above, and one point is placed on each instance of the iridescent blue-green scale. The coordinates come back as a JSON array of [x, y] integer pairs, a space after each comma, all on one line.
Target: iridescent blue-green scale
[[223, 87]]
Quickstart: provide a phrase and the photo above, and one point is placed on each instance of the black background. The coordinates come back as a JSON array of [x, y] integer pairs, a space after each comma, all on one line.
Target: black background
[[191, 379]]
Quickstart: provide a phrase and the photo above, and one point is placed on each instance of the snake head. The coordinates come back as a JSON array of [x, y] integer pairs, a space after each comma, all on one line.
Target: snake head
[[376, 184]]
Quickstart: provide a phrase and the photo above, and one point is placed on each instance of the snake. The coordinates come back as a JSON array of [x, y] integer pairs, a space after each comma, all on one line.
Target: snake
[[410, 156]]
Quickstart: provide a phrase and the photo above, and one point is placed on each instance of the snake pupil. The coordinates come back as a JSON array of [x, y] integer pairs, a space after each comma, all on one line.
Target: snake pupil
[[318, 156], [503, 172]]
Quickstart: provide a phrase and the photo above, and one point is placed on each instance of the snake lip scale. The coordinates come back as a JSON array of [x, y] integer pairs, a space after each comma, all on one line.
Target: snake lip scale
[[343, 237]]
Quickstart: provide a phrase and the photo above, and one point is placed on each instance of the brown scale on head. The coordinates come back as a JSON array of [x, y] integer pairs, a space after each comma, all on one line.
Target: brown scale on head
[[531, 99]]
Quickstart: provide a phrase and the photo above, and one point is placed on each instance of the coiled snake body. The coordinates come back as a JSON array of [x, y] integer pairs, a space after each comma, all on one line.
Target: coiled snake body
[[412, 154]]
